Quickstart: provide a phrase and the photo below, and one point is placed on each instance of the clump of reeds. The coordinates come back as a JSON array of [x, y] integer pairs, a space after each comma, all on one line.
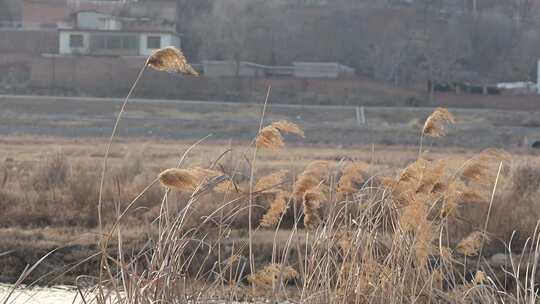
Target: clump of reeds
[[171, 59], [383, 245]]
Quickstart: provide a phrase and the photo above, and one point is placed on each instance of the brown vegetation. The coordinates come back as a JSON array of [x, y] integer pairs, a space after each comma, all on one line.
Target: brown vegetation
[[342, 231]]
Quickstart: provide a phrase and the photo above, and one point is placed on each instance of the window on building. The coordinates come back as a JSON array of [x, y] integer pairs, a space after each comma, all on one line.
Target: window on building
[[76, 41], [114, 42], [130, 42], [153, 42]]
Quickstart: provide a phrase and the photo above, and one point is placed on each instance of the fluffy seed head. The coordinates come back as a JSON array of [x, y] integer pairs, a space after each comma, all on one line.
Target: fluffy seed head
[[312, 201], [269, 138], [268, 276], [277, 208], [270, 181], [480, 277], [313, 176], [435, 123], [470, 246], [288, 127], [478, 168], [185, 179], [351, 177], [172, 60]]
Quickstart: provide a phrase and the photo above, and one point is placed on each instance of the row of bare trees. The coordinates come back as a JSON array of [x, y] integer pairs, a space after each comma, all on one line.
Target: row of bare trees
[[397, 41]]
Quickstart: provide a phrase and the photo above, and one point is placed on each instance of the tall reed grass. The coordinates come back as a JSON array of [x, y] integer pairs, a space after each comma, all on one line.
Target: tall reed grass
[[353, 236]]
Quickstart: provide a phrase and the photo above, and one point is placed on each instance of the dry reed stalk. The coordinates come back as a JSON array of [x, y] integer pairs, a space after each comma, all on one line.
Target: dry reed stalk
[[185, 179], [277, 209], [371, 276], [435, 123], [288, 127], [311, 201], [269, 275], [345, 241], [172, 60], [269, 138], [470, 245], [270, 181]]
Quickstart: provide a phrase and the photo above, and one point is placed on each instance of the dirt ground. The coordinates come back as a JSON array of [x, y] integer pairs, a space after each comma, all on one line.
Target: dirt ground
[[324, 126]]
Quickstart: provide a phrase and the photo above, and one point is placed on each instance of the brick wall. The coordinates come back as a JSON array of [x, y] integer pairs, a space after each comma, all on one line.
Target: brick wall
[[28, 41]]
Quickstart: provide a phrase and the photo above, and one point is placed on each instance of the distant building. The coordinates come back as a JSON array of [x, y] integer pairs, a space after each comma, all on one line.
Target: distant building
[[112, 28], [328, 70], [322, 70]]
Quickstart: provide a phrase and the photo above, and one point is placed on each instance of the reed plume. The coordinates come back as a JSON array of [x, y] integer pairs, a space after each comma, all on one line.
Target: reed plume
[[430, 177], [480, 277], [435, 123], [412, 215], [270, 274], [312, 176], [185, 179], [351, 177], [288, 127], [277, 209], [470, 245], [270, 181], [452, 195], [172, 60], [269, 138], [312, 201], [477, 169]]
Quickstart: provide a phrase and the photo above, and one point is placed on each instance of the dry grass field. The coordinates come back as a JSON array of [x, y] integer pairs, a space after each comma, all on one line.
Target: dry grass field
[[49, 189], [282, 204]]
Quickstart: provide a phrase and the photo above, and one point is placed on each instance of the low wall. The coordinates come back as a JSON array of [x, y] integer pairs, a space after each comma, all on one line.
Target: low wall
[[112, 77]]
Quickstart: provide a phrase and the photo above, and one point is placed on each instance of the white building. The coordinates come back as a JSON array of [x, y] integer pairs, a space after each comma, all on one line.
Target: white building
[[98, 33], [114, 42]]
